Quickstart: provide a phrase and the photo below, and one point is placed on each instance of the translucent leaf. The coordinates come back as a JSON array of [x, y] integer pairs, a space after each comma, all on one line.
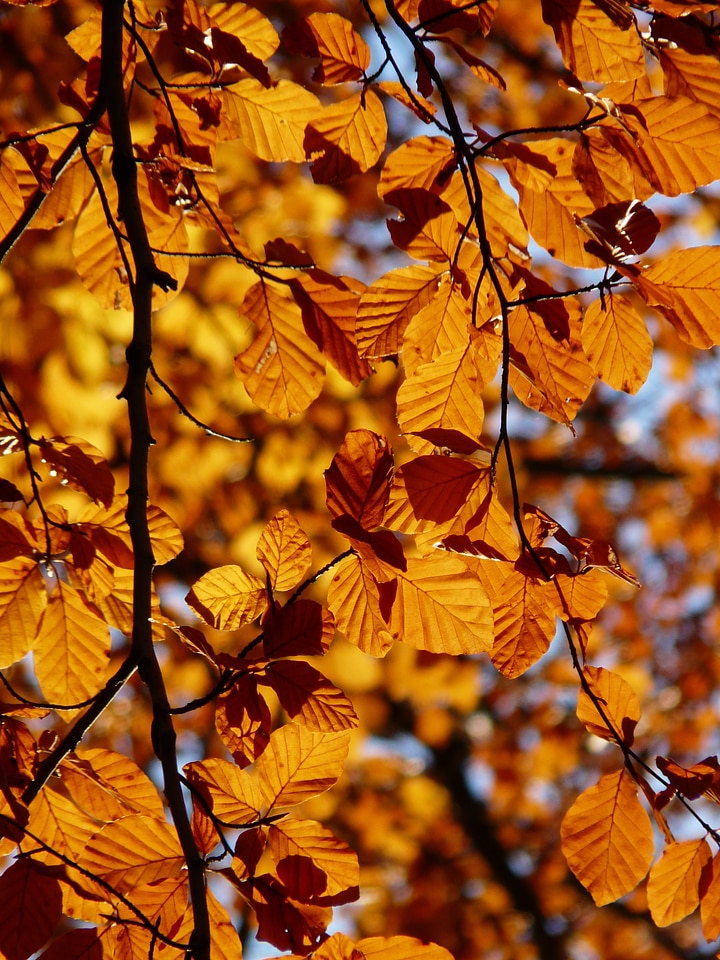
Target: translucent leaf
[[109, 532], [227, 597], [354, 596], [71, 651], [243, 720], [329, 310], [422, 163], [400, 948], [428, 230], [618, 701], [132, 851], [387, 306], [685, 287], [688, 61], [165, 536], [284, 551], [673, 889], [232, 794], [12, 204], [442, 606], [710, 901], [271, 121], [80, 465], [257, 32], [309, 698], [300, 629], [96, 256], [61, 824], [593, 46], [344, 55], [358, 479], [312, 863], [542, 173], [78, 944], [579, 597], [524, 620], [30, 906], [607, 838], [347, 138], [108, 785], [432, 490], [23, 598], [282, 370], [422, 108], [617, 344], [299, 764], [441, 402], [548, 372]]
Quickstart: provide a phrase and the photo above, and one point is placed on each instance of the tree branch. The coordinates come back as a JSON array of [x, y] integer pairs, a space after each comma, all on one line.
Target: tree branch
[[139, 354]]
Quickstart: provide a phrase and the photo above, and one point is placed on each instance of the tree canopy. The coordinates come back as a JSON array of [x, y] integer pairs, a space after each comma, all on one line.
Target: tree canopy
[[360, 431]]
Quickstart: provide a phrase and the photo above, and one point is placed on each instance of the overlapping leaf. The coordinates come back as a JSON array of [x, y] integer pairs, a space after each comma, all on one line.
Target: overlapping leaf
[[284, 551], [344, 55], [347, 138], [227, 597], [133, 851], [271, 121], [593, 45], [673, 889], [617, 344], [312, 863], [615, 697]]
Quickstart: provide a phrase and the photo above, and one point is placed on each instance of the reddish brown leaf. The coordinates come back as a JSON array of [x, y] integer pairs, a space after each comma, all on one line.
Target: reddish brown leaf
[[344, 55], [358, 479]]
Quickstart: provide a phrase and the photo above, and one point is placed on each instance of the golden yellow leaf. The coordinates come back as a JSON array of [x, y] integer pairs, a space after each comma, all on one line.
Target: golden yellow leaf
[[11, 200], [580, 597], [165, 535], [233, 794], [23, 598], [354, 599], [524, 620], [344, 55], [60, 823], [548, 373], [428, 230], [95, 252], [685, 287], [673, 889], [617, 699], [593, 46], [107, 785], [314, 865], [282, 369], [284, 551], [134, 850], [227, 597], [542, 173], [347, 138], [441, 402], [387, 306], [299, 764], [616, 342], [422, 108], [607, 838], [271, 121], [400, 948], [710, 902], [258, 34], [422, 162], [442, 606], [71, 650]]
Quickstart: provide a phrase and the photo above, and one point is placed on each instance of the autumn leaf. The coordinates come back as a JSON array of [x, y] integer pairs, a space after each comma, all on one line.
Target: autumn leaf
[[358, 479], [618, 701], [593, 45], [31, 906], [312, 863], [387, 306], [617, 344], [344, 55], [673, 889], [134, 850], [299, 764], [347, 138], [227, 597], [284, 550], [361, 607], [607, 838], [271, 121]]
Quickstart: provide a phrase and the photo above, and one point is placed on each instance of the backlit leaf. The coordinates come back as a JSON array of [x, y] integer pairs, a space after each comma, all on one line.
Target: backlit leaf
[[617, 700], [22, 601], [347, 138], [309, 698], [284, 551], [344, 55], [271, 121], [227, 597], [30, 906], [354, 596], [617, 344], [428, 229], [593, 46], [387, 306], [710, 901], [607, 838], [312, 863], [303, 628], [281, 370], [441, 606], [673, 889], [231, 793], [358, 479], [299, 764], [134, 850]]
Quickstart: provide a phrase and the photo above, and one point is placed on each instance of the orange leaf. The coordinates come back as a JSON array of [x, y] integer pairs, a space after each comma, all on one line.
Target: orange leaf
[[441, 401], [400, 948], [358, 479], [607, 838], [431, 490], [422, 163], [165, 535], [282, 370], [442, 606], [429, 229], [71, 649], [96, 256], [422, 108], [12, 204], [80, 465], [685, 287], [593, 46], [134, 850], [387, 306], [710, 901], [618, 701], [232, 794], [23, 598], [344, 55], [243, 720], [312, 863], [329, 310], [354, 596], [227, 597], [30, 906], [309, 698], [299, 764], [284, 551], [617, 344], [673, 889], [347, 138], [271, 121], [108, 785]]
